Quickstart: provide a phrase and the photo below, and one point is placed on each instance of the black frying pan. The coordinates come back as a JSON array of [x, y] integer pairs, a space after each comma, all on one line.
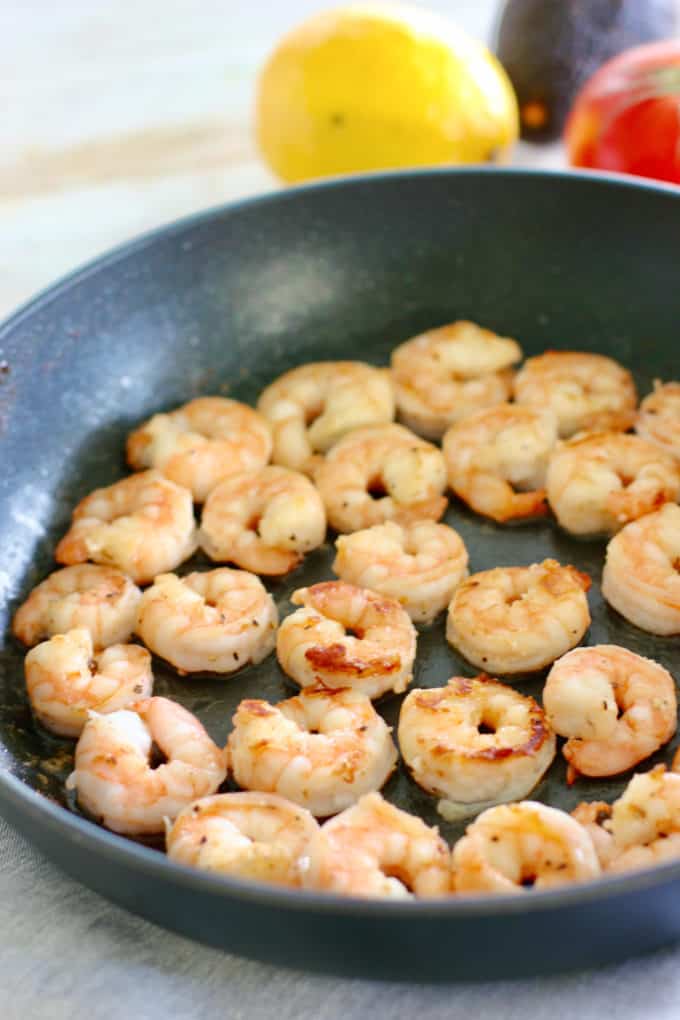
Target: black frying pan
[[222, 303]]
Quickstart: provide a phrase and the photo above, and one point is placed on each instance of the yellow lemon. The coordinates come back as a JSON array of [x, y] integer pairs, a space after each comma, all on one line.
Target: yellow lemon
[[371, 87]]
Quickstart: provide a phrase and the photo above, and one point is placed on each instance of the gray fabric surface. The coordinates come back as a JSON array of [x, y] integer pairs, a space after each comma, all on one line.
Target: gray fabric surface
[[67, 953]]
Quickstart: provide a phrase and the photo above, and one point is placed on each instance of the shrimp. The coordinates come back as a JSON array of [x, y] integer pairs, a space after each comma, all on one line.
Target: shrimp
[[381, 474], [311, 407], [201, 443], [585, 391], [497, 460], [65, 680], [420, 565], [143, 525], [322, 749], [375, 850], [641, 577], [519, 619], [514, 846], [264, 521], [594, 816], [448, 373], [474, 743], [249, 835], [597, 482], [346, 636], [645, 821], [217, 620], [615, 707], [115, 780], [658, 419], [101, 599]]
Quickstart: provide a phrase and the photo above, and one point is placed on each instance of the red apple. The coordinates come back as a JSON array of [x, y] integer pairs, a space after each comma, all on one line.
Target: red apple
[[627, 116]]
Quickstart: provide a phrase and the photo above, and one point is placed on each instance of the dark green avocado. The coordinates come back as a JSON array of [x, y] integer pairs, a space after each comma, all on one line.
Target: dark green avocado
[[550, 47]]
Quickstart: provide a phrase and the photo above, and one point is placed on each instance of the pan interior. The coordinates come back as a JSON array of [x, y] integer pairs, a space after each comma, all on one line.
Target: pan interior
[[223, 304]]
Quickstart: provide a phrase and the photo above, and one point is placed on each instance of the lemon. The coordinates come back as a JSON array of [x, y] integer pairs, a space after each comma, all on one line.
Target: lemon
[[370, 87]]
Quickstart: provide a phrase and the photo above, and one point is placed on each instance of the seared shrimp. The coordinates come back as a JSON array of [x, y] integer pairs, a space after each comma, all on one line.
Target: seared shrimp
[[497, 460], [585, 391], [446, 374], [615, 707], [658, 419], [264, 521], [143, 525], [640, 578], [645, 821], [101, 599], [595, 817], [474, 743], [251, 835], [420, 565], [311, 407], [322, 749], [378, 474], [216, 621], [201, 443], [375, 850], [512, 846], [377, 655], [65, 680], [114, 779], [597, 482], [519, 619]]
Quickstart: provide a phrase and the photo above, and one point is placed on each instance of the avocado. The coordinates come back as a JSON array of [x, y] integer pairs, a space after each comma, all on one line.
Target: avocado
[[550, 47]]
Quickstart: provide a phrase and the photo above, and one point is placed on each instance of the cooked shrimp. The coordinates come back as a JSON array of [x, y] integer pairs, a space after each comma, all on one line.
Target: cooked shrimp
[[346, 636], [585, 391], [474, 743], [264, 521], [641, 577], [513, 846], [420, 565], [645, 821], [597, 482], [114, 779], [497, 460], [615, 707], [216, 620], [658, 419], [143, 525], [446, 374], [594, 816], [375, 850], [101, 599], [322, 749], [250, 835], [378, 474], [201, 443], [311, 407], [519, 619], [65, 680]]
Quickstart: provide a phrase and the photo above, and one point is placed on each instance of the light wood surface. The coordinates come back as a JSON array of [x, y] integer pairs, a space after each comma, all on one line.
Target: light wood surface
[[117, 117]]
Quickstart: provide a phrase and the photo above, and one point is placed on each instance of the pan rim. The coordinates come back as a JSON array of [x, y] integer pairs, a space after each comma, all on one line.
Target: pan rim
[[111, 256], [31, 805]]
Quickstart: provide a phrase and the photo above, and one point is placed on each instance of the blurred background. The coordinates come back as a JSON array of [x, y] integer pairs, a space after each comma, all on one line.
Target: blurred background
[[121, 116]]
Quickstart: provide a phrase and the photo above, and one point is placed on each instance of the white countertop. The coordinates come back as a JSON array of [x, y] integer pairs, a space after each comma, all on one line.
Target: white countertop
[[118, 117]]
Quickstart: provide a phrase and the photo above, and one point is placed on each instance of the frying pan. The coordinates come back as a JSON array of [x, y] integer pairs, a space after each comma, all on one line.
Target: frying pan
[[222, 303]]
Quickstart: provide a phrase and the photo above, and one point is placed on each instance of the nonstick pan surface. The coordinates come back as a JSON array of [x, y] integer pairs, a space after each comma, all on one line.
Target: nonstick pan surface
[[222, 303]]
